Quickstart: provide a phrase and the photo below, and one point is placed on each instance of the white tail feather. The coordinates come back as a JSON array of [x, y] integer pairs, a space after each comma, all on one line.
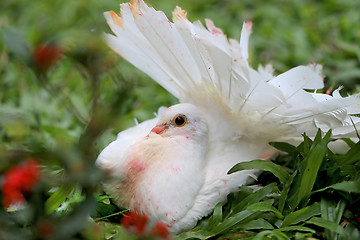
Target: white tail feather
[[196, 64]]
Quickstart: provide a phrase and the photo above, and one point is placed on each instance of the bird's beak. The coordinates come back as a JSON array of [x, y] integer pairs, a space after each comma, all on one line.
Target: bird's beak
[[159, 129]]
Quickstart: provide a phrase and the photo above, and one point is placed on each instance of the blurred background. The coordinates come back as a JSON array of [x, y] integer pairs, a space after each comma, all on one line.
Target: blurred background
[[285, 34], [64, 95]]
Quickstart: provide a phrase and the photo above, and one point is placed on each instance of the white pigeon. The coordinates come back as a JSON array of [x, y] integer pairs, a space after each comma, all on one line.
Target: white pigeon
[[174, 167]]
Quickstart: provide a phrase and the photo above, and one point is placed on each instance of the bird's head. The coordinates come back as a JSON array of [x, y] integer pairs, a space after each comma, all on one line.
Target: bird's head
[[181, 120]]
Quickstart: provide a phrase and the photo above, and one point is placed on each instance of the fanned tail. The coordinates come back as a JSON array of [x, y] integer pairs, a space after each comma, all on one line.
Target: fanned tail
[[196, 64]]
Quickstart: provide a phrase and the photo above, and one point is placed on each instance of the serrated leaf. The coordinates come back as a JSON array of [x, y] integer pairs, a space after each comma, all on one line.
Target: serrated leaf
[[57, 198], [301, 215], [275, 169]]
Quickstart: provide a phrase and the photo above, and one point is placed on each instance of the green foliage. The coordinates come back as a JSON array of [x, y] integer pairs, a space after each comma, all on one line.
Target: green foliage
[[64, 114], [311, 204]]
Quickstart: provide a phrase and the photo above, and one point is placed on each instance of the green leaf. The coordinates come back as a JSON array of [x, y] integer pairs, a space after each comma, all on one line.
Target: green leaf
[[317, 139], [297, 228], [302, 236], [279, 235], [309, 170], [301, 215], [352, 232], [276, 234], [254, 197], [349, 186], [332, 211], [321, 222], [111, 215], [354, 125], [275, 169], [216, 218], [202, 235], [257, 224], [285, 192], [305, 146], [58, 197], [264, 207], [261, 235], [284, 147], [346, 186], [352, 156], [232, 221], [349, 142]]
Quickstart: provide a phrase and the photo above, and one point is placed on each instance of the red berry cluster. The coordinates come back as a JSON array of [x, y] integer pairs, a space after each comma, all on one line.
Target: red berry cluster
[[19, 181], [139, 224], [45, 56]]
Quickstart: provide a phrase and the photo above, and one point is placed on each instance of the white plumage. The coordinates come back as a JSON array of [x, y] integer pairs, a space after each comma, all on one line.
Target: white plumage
[[174, 167]]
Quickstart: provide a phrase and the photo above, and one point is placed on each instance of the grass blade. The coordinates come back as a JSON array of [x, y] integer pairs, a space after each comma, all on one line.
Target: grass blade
[[284, 147], [346, 186], [232, 221], [297, 228], [301, 215], [257, 224], [309, 170], [216, 218], [254, 197], [333, 212], [285, 191], [264, 207], [321, 222], [57, 198], [275, 169]]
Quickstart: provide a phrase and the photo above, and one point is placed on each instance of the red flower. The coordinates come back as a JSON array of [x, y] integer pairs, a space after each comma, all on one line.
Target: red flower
[[45, 56], [139, 224], [160, 230], [19, 180], [135, 222]]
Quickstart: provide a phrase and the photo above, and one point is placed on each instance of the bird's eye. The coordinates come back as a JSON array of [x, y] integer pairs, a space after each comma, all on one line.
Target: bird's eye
[[179, 120]]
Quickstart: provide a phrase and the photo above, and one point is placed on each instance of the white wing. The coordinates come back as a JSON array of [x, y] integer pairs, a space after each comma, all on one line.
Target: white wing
[[201, 66]]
